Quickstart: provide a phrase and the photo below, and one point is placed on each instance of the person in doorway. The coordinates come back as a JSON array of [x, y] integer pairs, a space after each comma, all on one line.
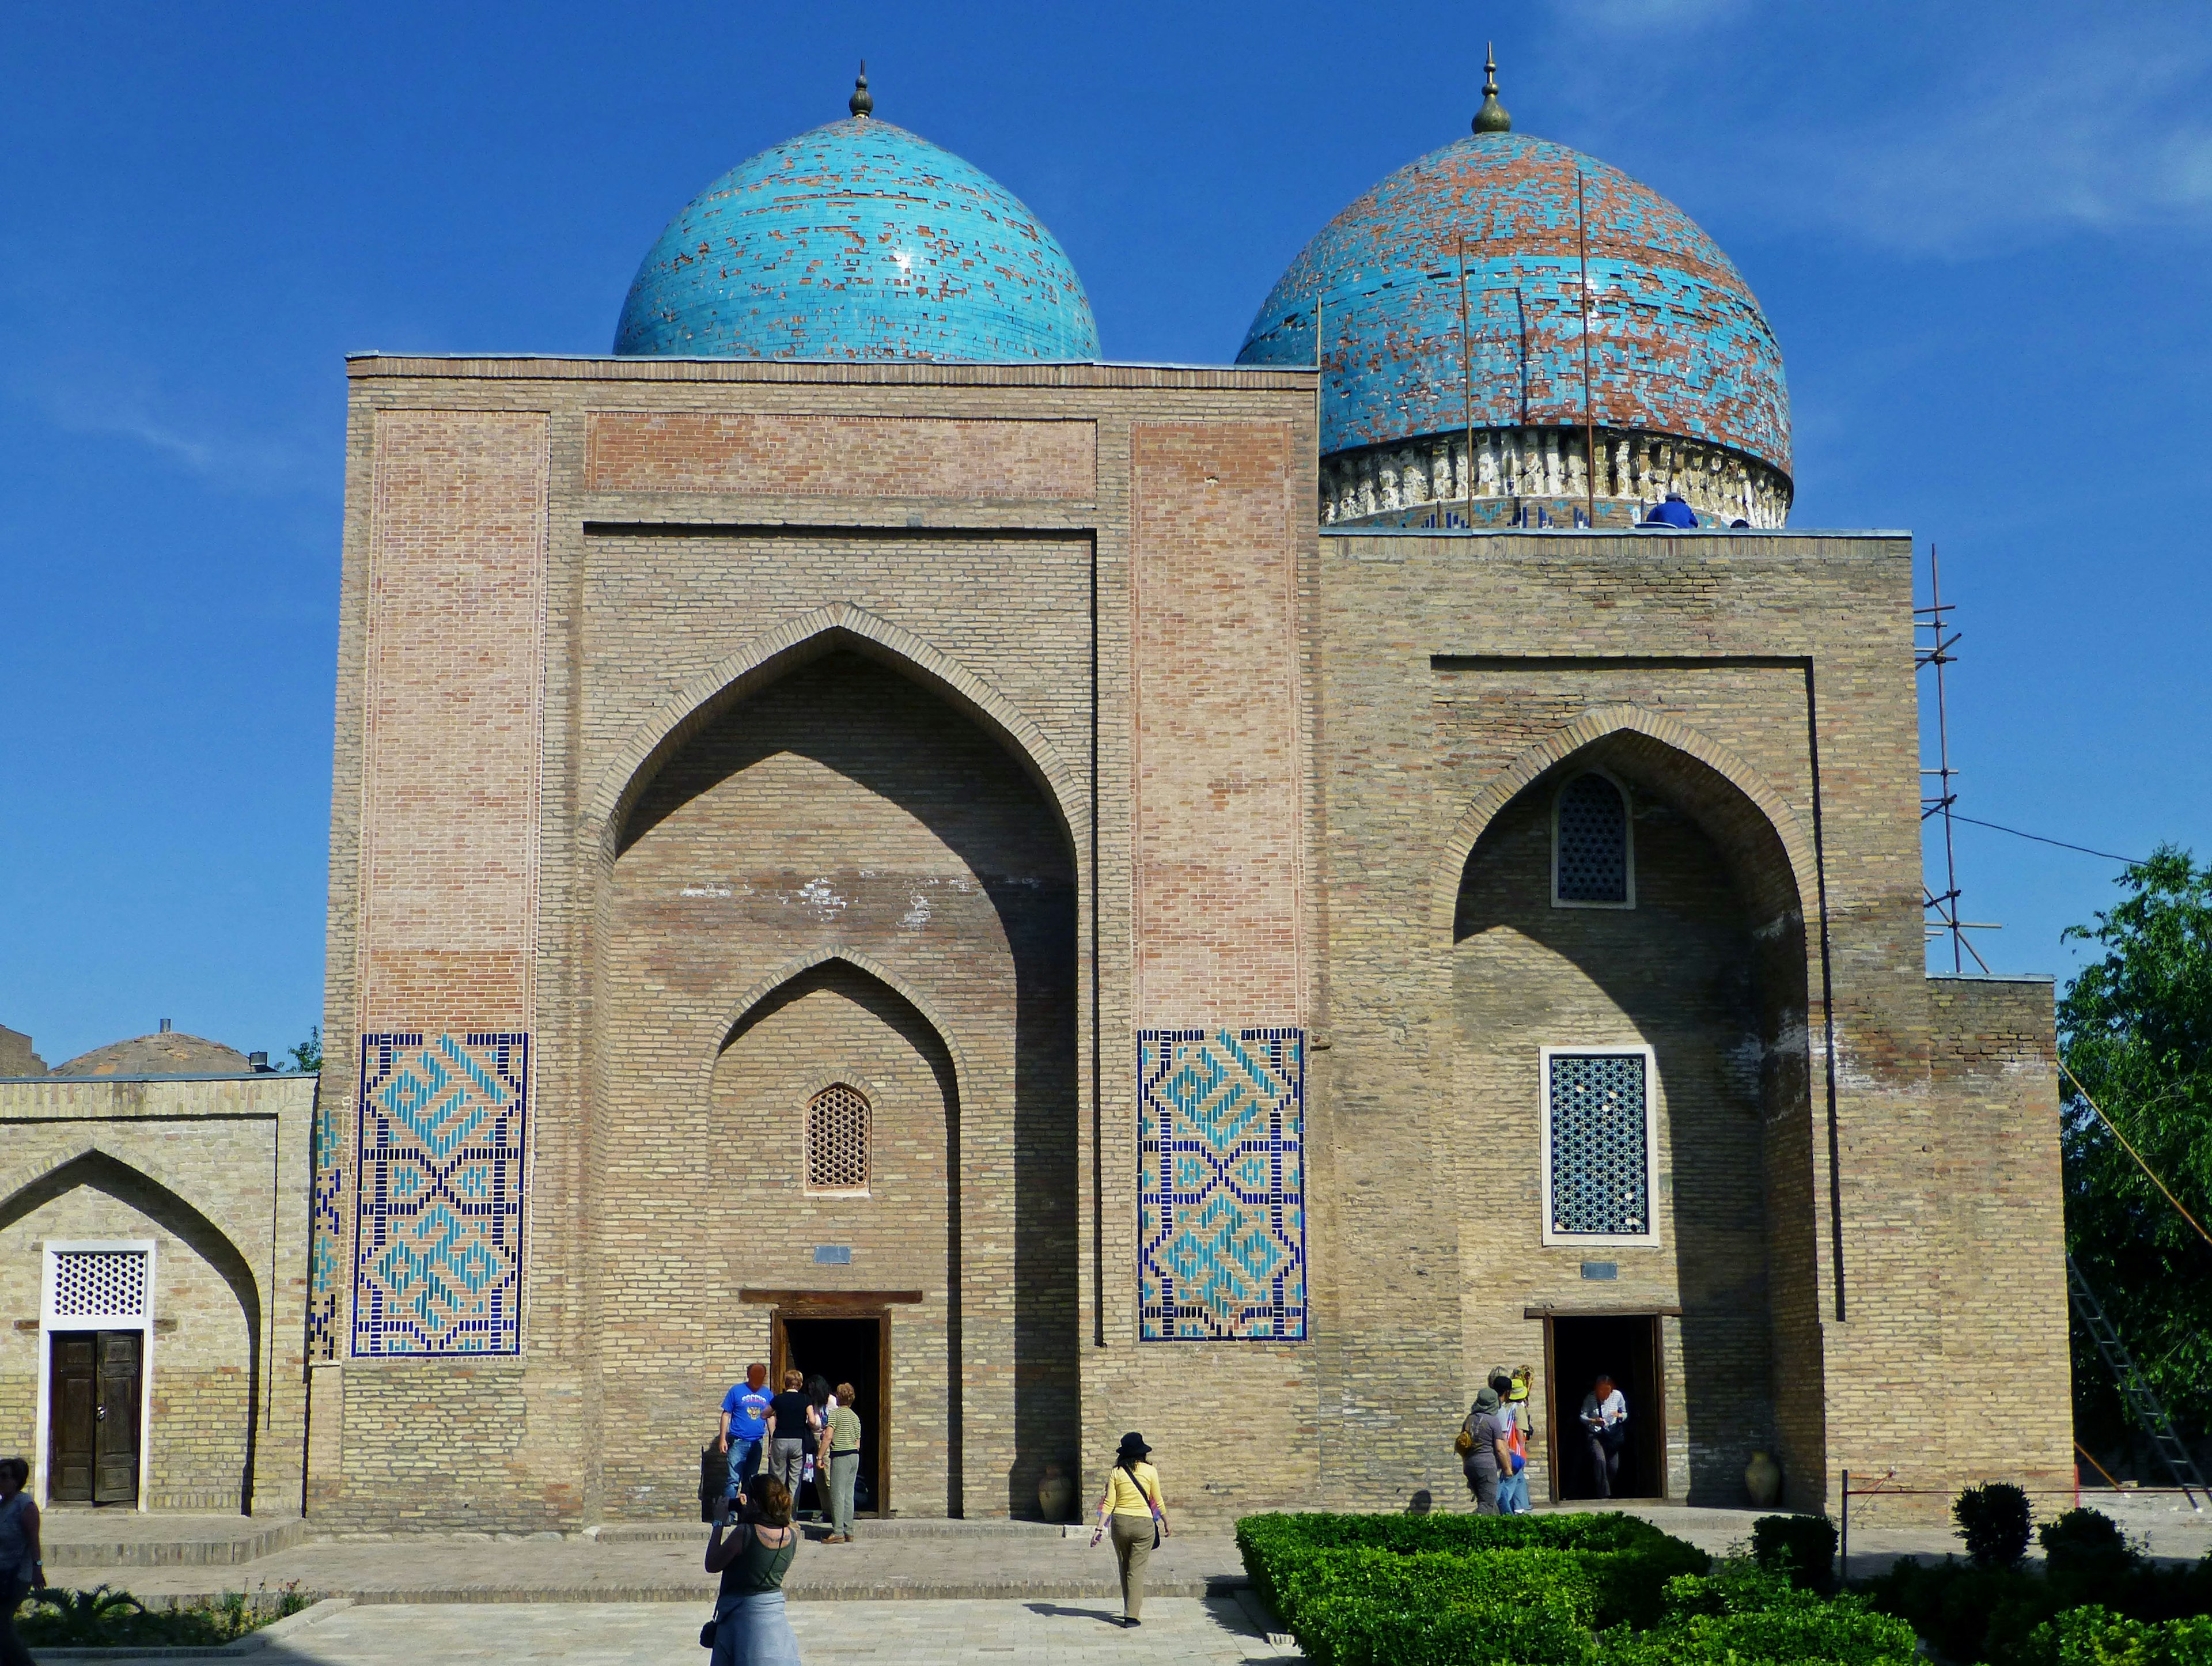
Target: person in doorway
[[843, 1465], [1131, 1509], [19, 1571], [751, 1627], [744, 1426], [1605, 1431], [789, 1433], [1486, 1455], [1521, 1431], [820, 1402]]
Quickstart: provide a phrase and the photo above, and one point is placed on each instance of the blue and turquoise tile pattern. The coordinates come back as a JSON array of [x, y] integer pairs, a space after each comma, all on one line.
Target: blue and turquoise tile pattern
[[1221, 1240], [438, 1246]]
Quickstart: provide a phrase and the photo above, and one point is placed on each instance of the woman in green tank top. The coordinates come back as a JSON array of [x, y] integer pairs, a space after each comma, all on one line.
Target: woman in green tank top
[[751, 1627]]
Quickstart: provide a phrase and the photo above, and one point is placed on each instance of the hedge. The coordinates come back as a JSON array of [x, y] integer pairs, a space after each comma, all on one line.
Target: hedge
[[1525, 1588], [2096, 1636]]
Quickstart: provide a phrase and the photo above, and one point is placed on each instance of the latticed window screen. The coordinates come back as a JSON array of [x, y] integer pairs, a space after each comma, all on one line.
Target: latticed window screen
[[1600, 1167], [1593, 842], [837, 1141], [99, 1283]]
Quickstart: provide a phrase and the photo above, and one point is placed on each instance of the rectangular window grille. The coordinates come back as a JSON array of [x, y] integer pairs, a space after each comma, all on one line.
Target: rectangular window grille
[[99, 1283], [837, 1141], [1600, 1133]]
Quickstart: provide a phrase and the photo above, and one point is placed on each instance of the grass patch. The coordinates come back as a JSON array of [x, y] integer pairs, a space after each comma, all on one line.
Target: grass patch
[[104, 1617]]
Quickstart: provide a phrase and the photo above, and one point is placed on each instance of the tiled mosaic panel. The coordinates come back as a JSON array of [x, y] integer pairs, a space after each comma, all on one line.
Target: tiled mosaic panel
[[325, 1233], [1600, 1171], [437, 1243], [1221, 1243], [1593, 842]]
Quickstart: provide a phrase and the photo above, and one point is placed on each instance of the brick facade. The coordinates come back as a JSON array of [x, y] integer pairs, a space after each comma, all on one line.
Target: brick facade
[[943, 731]]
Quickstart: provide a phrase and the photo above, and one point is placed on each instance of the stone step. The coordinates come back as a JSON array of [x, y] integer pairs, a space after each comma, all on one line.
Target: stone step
[[110, 1538]]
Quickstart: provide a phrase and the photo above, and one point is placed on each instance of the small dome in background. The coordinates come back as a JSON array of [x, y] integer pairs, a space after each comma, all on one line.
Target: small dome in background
[[1678, 348], [169, 1053], [859, 240]]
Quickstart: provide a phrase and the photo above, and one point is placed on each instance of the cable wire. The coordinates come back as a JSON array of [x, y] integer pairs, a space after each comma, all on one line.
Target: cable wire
[[2132, 861], [2132, 1151]]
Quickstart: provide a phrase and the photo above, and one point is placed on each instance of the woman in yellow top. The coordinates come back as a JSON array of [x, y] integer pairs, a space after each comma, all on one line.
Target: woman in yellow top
[[1131, 1508]]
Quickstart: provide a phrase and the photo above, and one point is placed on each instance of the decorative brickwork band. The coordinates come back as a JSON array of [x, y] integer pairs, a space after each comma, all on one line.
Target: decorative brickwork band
[[438, 1245], [1221, 1189]]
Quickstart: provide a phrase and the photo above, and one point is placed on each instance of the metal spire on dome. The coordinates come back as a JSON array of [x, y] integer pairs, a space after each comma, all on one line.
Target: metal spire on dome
[[1492, 118], [860, 104]]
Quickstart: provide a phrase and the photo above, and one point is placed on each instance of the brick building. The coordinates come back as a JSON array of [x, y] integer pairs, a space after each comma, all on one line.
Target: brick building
[[1083, 895], [153, 1262]]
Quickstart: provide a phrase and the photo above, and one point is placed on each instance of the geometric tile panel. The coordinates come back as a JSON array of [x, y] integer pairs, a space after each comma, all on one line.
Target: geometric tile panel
[[1221, 1241], [1600, 1168], [325, 1233], [1593, 842], [438, 1234]]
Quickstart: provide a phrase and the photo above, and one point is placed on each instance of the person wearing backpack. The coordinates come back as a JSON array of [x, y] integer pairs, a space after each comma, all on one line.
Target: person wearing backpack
[[1482, 1450]]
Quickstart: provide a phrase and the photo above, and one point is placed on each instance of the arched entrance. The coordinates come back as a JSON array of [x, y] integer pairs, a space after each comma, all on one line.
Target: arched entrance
[[840, 904], [1628, 932], [148, 1390]]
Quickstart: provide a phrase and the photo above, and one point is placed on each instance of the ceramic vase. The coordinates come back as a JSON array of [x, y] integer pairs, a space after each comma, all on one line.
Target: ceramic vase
[[1055, 1493], [1762, 1479]]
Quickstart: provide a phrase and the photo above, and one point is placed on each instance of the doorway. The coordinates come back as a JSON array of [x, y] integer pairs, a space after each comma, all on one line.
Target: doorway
[[845, 1348], [93, 1424], [1626, 1348]]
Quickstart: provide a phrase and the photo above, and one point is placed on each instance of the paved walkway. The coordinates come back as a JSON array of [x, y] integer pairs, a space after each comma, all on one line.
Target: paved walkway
[[949, 1561], [458, 1568], [1212, 1632]]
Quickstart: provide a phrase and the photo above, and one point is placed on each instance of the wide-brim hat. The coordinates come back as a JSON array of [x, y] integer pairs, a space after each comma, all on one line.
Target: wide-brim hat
[[1133, 1445]]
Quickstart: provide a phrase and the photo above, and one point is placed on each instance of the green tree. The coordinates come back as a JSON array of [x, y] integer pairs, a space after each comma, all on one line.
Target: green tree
[[2135, 1030], [307, 1056]]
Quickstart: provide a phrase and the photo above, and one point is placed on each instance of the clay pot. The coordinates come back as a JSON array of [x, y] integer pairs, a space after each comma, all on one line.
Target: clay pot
[[1055, 1493], [1762, 1479]]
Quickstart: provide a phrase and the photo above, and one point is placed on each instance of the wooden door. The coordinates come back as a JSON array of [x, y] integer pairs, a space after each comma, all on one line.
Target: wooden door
[[115, 1468], [73, 1398]]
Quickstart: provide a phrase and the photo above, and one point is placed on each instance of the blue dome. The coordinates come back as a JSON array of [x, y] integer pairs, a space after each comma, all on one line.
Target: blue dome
[[857, 241], [1678, 344]]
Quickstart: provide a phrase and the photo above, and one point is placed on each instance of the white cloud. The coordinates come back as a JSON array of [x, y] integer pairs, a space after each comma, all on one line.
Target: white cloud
[[102, 398], [1650, 17], [2109, 136]]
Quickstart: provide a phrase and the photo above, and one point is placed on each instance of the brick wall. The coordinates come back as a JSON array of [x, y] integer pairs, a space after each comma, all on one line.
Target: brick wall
[[842, 456]]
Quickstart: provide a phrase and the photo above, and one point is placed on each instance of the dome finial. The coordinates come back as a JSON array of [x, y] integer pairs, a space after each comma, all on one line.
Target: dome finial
[[860, 104], [1491, 117]]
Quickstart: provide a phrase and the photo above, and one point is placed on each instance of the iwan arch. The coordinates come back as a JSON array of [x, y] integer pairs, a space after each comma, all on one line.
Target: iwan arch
[[864, 835]]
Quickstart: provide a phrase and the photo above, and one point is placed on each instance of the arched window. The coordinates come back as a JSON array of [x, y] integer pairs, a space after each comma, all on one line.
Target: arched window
[[1592, 864], [837, 1141]]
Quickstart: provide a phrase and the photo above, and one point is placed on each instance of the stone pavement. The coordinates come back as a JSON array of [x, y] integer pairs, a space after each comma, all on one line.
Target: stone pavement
[[949, 1561], [957, 1560], [1208, 1632]]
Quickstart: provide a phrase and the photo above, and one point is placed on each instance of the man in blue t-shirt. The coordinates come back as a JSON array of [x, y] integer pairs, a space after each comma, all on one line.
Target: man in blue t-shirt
[[744, 1426]]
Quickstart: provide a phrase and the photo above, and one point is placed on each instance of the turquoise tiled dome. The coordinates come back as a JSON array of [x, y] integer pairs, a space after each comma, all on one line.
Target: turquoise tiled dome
[[859, 240]]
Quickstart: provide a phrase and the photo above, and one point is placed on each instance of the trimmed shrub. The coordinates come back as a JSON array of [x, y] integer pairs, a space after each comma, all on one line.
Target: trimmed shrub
[[2086, 1542], [1803, 1546], [2096, 1636], [1523, 1588], [1994, 1521], [1351, 1608]]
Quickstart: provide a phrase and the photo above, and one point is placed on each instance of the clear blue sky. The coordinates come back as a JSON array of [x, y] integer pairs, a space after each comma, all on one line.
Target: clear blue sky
[[1980, 231]]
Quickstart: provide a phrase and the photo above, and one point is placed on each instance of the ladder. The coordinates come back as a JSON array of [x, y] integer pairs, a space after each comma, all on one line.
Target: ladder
[[2134, 1390]]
